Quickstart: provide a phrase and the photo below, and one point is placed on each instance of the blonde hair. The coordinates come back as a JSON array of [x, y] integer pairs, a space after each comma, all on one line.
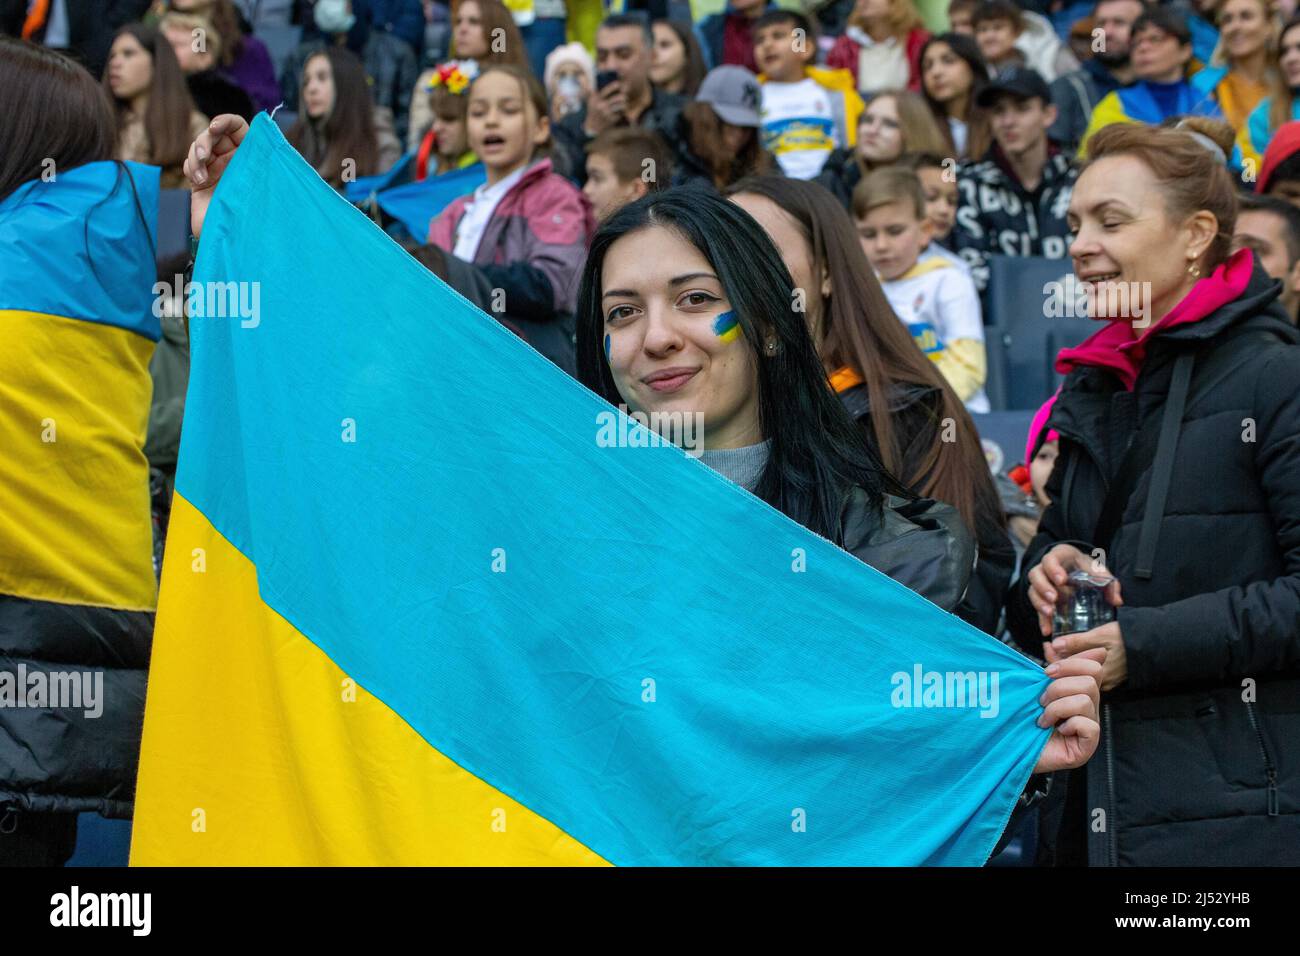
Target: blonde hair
[[1220, 56], [189, 22], [903, 18], [889, 184]]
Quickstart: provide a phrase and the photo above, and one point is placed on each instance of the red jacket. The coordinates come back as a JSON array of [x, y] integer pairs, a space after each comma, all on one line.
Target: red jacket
[[844, 55]]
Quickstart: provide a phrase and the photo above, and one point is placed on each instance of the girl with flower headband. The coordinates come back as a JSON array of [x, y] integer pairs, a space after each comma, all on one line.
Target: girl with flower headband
[[445, 145]]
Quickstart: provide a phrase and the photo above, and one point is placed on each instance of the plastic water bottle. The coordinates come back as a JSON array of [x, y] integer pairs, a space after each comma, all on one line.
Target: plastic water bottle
[[1081, 604]]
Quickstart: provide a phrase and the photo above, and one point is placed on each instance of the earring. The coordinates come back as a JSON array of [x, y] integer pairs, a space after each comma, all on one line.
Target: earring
[[771, 346], [1194, 271]]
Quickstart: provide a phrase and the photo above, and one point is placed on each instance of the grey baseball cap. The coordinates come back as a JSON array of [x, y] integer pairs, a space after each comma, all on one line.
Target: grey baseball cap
[[734, 94]]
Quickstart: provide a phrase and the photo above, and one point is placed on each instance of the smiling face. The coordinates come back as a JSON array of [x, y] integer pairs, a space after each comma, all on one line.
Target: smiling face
[[468, 36], [318, 87], [1244, 28], [880, 136], [503, 126], [669, 57], [130, 68], [1157, 56], [1118, 217], [797, 253], [671, 345], [947, 77]]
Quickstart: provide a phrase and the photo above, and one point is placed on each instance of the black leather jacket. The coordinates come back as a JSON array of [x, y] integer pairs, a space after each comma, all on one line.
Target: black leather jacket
[[920, 543]]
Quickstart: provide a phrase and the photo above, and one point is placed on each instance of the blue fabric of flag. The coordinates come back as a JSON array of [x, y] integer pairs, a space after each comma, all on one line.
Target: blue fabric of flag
[[661, 664]]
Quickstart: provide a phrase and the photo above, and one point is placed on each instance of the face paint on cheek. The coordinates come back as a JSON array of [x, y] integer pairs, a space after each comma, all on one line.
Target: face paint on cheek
[[607, 347], [727, 327]]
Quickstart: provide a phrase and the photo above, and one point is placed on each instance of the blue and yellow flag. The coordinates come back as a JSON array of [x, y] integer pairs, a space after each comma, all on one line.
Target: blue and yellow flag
[[419, 608], [77, 584]]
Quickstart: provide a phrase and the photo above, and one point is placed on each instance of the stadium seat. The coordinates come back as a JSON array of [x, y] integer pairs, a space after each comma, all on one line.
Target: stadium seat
[[1003, 436], [280, 43], [995, 381], [1030, 302], [173, 223]]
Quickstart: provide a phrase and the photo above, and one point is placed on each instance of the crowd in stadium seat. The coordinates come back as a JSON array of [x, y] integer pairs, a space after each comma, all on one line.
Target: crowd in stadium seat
[[914, 162]]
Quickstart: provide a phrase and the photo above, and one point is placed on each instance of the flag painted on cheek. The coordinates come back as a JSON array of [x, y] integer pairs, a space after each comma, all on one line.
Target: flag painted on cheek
[[726, 326], [413, 611]]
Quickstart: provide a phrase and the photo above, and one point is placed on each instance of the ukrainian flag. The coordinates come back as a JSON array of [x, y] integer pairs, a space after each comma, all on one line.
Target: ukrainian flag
[[413, 612], [77, 585]]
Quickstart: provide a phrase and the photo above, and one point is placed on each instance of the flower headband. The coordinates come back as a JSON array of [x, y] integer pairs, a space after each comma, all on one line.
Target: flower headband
[[455, 76]]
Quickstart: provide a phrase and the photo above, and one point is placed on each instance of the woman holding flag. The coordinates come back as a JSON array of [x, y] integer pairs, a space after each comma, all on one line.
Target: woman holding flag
[[685, 307]]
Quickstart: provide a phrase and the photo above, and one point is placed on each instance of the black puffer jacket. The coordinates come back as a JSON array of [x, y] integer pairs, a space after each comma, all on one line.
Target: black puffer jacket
[[69, 759], [1199, 761]]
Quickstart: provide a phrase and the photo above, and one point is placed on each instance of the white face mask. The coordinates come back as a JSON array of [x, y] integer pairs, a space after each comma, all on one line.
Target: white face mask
[[334, 16]]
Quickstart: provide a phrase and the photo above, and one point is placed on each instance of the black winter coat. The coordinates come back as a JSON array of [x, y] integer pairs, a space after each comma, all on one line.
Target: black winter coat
[[1199, 761], [72, 759]]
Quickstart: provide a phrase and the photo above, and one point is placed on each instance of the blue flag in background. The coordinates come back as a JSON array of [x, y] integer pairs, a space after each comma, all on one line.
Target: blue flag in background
[[559, 649], [415, 204]]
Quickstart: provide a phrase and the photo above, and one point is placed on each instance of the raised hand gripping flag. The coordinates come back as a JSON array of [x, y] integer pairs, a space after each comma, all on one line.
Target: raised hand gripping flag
[[414, 611]]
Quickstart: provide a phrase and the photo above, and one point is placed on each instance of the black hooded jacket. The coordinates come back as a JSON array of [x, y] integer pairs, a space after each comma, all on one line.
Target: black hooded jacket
[[1199, 762]]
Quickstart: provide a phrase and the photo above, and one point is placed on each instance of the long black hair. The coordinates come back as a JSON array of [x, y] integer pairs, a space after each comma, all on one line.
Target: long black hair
[[817, 452]]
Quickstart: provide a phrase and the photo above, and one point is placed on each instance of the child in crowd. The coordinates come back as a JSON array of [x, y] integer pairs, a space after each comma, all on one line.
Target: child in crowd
[[1010, 36], [808, 112], [938, 177], [1279, 174], [526, 229], [997, 24], [624, 164], [1041, 449], [569, 76], [445, 145], [934, 298], [959, 16]]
